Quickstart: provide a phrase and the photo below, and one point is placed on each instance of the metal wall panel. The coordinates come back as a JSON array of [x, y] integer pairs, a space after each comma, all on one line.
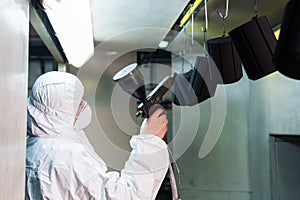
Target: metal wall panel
[[284, 105], [286, 164], [14, 34]]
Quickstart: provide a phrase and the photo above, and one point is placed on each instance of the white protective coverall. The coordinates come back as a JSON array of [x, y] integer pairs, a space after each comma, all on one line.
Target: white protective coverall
[[60, 162]]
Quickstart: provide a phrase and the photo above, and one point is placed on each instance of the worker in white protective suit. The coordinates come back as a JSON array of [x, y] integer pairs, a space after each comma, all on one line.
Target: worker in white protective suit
[[60, 162]]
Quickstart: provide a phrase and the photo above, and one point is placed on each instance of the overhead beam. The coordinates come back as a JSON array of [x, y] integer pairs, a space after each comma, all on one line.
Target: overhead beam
[[44, 29]]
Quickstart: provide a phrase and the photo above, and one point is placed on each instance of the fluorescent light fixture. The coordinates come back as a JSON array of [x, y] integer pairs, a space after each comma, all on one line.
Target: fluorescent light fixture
[[72, 23], [163, 44], [188, 14]]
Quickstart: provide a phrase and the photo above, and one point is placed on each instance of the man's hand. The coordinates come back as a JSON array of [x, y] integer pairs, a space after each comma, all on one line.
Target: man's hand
[[157, 124]]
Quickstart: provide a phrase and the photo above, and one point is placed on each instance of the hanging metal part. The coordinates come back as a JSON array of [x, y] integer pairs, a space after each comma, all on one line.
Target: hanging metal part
[[205, 28], [205, 14], [224, 55], [287, 52], [192, 41], [223, 17], [255, 42], [192, 38], [191, 57], [183, 52], [204, 38]]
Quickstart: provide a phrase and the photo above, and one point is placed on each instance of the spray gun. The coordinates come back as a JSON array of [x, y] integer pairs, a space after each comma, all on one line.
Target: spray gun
[[132, 81]]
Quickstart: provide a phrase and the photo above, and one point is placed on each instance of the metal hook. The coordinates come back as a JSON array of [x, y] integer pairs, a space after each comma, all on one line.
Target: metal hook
[[255, 7], [192, 40], [183, 52], [205, 28], [205, 15], [204, 37], [224, 16]]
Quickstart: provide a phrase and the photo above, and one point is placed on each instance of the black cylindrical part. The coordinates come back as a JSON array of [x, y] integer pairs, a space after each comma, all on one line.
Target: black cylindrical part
[[131, 81], [287, 51], [194, 86], [255, 42], [226, 58]]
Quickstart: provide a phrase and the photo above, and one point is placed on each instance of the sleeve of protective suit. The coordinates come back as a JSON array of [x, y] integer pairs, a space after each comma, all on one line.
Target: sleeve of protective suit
[[143, 173]]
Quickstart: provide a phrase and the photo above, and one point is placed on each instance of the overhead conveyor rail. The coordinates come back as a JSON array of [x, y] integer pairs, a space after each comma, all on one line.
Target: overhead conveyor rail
[[41, 23]]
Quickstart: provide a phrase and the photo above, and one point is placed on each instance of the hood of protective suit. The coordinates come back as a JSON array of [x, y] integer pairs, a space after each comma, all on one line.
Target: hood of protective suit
[[53, 104]]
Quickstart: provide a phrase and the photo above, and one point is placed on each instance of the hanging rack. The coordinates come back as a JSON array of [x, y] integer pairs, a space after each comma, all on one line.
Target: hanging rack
[[205, 28], [192, 40], [223, 17], [255, 42], [255, 7], [183, 52]]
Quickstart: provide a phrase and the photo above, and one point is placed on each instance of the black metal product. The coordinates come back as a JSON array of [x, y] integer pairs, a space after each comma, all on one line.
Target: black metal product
[[194, 86], [226, 58], [287, 51], [255, 42], [181, 90]]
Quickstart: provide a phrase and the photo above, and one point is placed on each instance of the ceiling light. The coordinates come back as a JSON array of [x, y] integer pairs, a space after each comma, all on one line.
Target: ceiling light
[[163, 44], [72, 23]]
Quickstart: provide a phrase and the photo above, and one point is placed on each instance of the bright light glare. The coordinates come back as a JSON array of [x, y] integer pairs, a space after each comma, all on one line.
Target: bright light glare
[[163, 44], [72, 23], [277, 33]]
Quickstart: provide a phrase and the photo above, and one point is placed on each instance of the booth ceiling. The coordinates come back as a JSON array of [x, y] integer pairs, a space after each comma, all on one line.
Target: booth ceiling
[[125, 23], [116, 17]]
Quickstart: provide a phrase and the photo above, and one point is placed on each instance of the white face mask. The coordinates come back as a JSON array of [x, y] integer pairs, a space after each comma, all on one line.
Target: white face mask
[[84, 118]]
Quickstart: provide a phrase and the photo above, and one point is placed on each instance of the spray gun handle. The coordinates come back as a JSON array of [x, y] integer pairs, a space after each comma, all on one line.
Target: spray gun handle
[[146, 108]]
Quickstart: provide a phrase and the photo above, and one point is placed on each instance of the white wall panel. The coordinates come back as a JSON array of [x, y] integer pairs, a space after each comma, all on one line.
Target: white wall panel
[[284, 106], [258, 131]]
